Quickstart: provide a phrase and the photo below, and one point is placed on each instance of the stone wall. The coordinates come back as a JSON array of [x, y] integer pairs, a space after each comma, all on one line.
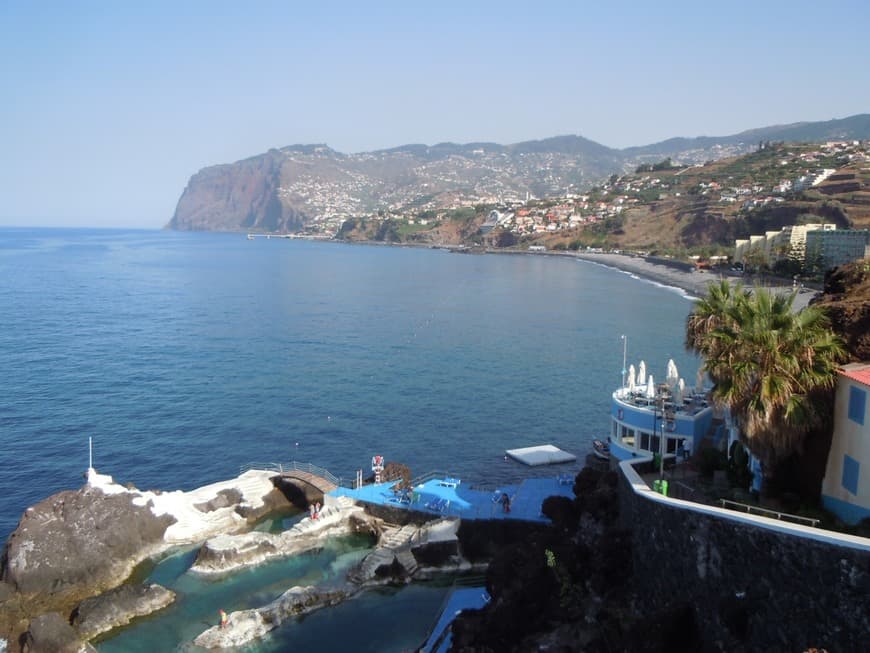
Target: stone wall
[[754, 584]]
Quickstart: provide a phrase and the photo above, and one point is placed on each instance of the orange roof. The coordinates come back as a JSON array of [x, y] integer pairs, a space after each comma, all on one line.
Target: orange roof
[[857, 372]]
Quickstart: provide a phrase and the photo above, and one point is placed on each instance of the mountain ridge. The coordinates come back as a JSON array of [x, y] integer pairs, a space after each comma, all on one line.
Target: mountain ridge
[[285, 189]]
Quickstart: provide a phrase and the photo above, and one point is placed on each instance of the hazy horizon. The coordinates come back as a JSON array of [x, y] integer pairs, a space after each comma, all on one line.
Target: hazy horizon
[[111, 108]]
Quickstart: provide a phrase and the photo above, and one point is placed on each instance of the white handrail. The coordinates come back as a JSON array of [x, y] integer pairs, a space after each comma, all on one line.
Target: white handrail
[[764, 511]]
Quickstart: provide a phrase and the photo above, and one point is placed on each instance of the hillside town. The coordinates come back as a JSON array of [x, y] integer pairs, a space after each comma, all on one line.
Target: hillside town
[[744, 187]]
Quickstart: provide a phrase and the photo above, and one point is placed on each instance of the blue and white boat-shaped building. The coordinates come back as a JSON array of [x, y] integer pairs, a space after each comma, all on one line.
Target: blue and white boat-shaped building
[[666, 419]]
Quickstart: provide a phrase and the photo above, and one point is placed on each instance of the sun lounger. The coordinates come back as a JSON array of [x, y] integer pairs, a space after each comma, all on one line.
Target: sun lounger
[[438, 505]]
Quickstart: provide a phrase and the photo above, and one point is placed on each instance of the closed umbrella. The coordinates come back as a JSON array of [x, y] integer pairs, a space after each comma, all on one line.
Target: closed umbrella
[[672, 375], [678, 392]]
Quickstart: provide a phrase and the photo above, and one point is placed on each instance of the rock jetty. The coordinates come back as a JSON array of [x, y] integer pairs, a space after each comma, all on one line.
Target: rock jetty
[[246, 625], [78, 544], [226, 553], [118, 607]]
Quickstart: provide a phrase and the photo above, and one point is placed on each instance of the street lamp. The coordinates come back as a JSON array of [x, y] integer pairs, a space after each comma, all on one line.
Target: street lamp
[[662, 442], [624, 351]]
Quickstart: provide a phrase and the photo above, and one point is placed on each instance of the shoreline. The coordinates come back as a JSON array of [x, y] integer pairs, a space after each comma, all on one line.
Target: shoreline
[[694, 283], [669, 274]]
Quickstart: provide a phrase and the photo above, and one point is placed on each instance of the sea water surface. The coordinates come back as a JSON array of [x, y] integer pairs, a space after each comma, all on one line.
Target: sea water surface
[[185, 356]]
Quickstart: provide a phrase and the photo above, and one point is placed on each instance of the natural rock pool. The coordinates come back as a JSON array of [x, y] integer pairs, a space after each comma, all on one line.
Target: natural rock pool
[[377, 620]]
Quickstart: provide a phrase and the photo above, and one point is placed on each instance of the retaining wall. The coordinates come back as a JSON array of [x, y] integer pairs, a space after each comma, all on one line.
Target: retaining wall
[[755, 583]]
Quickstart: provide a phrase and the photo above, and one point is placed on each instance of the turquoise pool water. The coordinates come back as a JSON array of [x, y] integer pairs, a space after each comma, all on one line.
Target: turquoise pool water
[[387, 619]]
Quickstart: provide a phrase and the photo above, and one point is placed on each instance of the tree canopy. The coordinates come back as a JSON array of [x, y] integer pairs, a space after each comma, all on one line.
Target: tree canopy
[[766, 361]]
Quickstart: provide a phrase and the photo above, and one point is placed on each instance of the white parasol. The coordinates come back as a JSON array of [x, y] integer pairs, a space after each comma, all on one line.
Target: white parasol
[[651, 387], [641, 373], [672, 375], [630, 380], [678, 392]]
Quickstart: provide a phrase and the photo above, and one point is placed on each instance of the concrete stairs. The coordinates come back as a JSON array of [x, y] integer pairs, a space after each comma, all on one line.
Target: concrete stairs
[[370, 564], [398, 537], [394, 546], [408, 561]]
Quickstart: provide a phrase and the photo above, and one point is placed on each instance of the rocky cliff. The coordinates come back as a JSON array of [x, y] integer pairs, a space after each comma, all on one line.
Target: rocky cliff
[[235, 197], [846, 299]]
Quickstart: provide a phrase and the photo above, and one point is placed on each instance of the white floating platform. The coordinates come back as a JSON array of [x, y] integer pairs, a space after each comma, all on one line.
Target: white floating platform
[[544, 454]]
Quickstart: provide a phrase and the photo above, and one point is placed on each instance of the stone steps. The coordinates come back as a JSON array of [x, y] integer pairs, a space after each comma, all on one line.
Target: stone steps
[[370, 564], [396, 538], [408, 562], [394, 545]]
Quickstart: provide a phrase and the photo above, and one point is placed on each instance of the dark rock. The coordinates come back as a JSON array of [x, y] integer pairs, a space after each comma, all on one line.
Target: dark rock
[[557, 589], [118, 607], [561, 512], [482, 539], [223, 499], [274, 503], [80, 542], [846, 300], [51, 633], [298, 493], [433, 554]]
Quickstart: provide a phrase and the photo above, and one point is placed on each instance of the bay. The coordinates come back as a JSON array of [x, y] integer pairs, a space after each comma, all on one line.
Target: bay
[[185, 356]]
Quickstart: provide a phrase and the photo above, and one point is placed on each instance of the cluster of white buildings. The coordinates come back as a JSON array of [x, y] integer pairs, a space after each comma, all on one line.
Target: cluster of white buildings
[[540, 220], [815, 246]]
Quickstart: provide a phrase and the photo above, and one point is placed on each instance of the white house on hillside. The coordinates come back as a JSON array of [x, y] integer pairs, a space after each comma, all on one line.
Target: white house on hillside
[[846, 488]]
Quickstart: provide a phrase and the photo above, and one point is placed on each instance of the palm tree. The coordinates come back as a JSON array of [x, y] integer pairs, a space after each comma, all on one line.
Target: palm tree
[[708, 316], [766, 361]]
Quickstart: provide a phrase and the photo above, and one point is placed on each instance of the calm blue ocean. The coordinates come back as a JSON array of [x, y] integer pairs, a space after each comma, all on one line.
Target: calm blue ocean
[[186, 356]]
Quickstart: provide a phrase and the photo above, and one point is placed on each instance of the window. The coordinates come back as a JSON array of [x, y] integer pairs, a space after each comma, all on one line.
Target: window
[[857, 404], [851, 469]]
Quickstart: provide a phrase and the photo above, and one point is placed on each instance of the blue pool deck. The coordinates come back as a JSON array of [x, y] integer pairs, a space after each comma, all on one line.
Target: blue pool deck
[[448, 496], [460, 599]]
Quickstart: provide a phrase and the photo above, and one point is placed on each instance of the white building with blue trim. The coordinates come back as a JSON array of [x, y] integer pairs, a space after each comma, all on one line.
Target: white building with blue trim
[[665, 419], [846, 487]]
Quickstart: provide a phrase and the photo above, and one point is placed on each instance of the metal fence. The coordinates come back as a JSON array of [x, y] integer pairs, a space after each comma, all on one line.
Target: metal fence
[[428, 476], [764, 512], [293, 466]]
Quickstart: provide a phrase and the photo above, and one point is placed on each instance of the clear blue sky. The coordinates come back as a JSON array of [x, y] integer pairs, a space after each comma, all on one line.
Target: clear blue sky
[[109, 107]]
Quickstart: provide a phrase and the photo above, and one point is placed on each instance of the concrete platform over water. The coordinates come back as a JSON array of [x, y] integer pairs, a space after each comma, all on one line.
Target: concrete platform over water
[[447, 496]]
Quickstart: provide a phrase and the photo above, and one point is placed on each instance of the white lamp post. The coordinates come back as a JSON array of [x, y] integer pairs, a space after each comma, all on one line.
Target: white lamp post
[[624, 351]]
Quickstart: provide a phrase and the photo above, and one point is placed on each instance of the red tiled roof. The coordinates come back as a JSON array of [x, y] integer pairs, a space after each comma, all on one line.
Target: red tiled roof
[[860, 374]]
